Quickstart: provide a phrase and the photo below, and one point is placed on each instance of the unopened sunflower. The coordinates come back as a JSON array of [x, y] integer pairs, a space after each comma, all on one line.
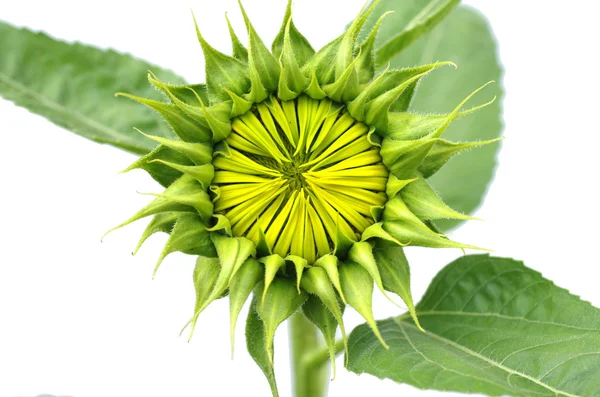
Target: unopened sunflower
[[293, 174]]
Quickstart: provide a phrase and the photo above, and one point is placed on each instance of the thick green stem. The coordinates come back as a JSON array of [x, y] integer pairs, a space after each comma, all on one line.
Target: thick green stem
[[309, 380]]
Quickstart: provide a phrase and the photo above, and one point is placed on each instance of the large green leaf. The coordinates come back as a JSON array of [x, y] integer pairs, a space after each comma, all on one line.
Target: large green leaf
[[73, 85], [493, 327], [417, 18], [463, 37]]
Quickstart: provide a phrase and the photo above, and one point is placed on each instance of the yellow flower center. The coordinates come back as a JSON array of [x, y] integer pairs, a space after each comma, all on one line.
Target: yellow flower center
[[298, 174]]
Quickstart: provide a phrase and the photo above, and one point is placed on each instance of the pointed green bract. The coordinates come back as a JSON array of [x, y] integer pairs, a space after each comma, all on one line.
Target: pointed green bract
[[202, 173], [358, 289], [395, 272], [222, 71], [189, 235], [185, 127], [241, 286], [160, 223], [264, 68], [239, 51], [280, 302], [159, 172], [443, 151], [319, 315], [317, 282], [272, 265], [256, 343], [366, 60], [423, 201], [206, 274], [302, 48]]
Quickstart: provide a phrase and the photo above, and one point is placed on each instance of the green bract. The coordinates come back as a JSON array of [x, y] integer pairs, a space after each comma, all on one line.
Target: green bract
[[287, 169]]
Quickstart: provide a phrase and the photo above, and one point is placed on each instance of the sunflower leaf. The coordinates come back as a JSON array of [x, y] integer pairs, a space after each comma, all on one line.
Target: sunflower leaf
[[80, 97], [493, 326]]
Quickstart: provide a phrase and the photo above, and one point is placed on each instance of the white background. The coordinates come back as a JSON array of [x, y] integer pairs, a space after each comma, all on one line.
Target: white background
[[84, 319]]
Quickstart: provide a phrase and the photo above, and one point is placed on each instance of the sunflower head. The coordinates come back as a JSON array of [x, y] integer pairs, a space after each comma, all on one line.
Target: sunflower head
[[298, 175]]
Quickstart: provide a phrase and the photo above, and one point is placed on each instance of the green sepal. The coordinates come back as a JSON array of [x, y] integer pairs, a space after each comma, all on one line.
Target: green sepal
[[159, 172], [262, 246], [342, 242], [272, 265], [242, 284], [239, 105], [424, 202], [284, 92], [396, 210], [358, 289], [386, 91], [256, 344], [316, 312], [232, 253], [314, 90], [456, 113], [163, 222], [395, 273], [189, 235], [198, 199], [221, 226], [402, 104], [202, 173], [206, 274], [402, 158], [346, 87], [222, 71], [317, 282], [239, 51], [329, 263], [222, 148], [362, 253], [403, 225], [299, 265], [410, 126], [443, 151], [199, 153], [218, 118], [376, 212], [184, 126], [345, 54], [186, 93], [323, 62], [291, 82], [376, 230], [193, 110], [302, 49], [394, 185], [264, 68], [182, 186], [365, 64], [404, 126], [280, 302]]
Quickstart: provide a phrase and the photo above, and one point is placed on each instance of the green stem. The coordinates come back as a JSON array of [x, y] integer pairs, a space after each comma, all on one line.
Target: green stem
[[309, 380], [321, 356]]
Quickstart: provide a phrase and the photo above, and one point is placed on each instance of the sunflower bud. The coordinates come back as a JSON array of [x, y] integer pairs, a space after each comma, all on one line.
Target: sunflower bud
[[298, 176]]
